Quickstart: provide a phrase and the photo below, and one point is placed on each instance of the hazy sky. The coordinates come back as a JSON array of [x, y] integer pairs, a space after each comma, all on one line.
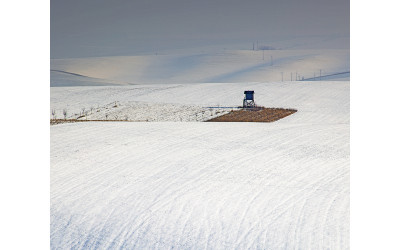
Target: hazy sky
[[82, 28]]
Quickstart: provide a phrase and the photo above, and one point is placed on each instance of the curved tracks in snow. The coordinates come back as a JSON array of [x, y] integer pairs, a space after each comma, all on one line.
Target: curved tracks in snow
[[199, 185], [188, 185]]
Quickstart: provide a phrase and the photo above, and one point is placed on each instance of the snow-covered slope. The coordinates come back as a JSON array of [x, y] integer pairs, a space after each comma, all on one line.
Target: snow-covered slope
[[61, 78], [193, 185], [200, 67], [321, 99]]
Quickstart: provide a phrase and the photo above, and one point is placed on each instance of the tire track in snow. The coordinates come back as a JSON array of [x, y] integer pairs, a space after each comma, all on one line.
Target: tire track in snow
[[283, 206]]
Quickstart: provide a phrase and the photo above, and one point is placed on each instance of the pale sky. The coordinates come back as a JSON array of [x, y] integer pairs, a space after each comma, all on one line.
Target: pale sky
[[81, 28]]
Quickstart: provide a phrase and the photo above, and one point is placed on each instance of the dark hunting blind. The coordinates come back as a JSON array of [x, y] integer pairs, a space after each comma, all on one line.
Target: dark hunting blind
[[248, 101]]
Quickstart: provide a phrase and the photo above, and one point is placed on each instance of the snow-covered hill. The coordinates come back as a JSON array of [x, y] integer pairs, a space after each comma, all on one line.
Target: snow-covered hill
[[193, 185], [61, 78], [205, 67]]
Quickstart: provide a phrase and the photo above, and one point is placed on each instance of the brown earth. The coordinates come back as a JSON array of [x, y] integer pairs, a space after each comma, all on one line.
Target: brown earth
[[259, 114]]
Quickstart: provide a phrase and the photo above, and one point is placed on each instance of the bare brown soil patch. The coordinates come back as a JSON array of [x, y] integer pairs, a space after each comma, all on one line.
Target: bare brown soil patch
[[259, 114]]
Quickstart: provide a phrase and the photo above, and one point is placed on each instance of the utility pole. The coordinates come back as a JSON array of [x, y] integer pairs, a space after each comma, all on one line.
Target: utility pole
[[320, 73]]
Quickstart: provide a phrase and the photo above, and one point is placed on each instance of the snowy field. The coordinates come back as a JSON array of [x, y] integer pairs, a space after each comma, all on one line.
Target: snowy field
[[196, 185], [224, 66]]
